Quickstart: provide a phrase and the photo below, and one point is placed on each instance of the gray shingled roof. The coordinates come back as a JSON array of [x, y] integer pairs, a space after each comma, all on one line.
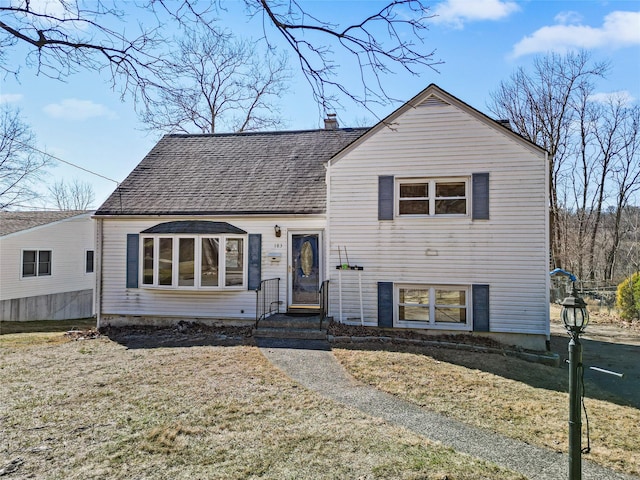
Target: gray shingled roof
[[245, 173], [11, 222]]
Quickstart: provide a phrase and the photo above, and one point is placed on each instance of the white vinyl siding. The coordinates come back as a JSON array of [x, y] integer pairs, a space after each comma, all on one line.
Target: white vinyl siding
[[234, 303], [67, 240], [509, 251]]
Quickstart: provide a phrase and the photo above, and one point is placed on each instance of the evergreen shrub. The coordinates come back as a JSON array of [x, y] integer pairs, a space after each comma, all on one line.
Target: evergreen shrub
[[628, 297]]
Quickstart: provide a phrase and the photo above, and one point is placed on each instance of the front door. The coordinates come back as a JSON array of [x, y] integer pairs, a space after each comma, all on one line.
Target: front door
[[304, 283]]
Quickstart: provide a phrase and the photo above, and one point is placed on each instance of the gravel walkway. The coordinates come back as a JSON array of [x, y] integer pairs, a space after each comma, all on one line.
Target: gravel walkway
[[311, 363]]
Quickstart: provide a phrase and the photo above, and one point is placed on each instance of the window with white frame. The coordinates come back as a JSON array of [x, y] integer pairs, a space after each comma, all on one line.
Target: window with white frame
[[193, 262], [88, 261], [438, 306], [433, 196], [36, 263]]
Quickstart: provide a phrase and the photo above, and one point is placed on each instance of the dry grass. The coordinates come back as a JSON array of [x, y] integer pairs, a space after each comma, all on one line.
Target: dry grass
[[94, 409], [46, 326], [516, 398], [599, 316]]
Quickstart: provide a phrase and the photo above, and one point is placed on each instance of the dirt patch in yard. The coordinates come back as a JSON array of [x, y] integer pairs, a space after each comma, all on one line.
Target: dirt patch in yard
[[183, 334]]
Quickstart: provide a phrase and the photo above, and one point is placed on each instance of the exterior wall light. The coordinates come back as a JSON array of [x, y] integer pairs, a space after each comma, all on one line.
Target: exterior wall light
[[278, 231]]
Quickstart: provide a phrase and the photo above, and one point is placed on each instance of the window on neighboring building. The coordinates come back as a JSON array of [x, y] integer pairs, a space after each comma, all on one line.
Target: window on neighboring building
[[433, 306], [36, 263], [200, 261], [429, 197], [88, 264]]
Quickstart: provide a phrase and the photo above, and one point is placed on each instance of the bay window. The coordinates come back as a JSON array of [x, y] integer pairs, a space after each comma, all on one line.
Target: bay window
[[193, 262]]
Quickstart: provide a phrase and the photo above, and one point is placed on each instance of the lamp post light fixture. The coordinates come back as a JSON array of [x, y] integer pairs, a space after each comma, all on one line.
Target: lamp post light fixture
[[575, 318]]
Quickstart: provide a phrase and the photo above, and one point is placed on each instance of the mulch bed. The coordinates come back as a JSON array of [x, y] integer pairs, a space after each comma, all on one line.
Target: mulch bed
[[341, 330], [182, 327]]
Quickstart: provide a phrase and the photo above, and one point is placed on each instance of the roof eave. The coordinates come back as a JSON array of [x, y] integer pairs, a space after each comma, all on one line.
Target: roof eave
[[210, 213]]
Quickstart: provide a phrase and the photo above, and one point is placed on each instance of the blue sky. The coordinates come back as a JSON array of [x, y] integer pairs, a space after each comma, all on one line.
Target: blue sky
[[480, 42]]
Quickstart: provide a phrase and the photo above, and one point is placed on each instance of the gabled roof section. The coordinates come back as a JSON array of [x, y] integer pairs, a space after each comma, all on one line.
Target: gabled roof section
[[12, 222], [435, 96], [231, 174]]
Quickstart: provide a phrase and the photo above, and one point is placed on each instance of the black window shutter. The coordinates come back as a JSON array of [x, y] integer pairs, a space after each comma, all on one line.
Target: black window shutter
[[133, 251], [255, 261], [385, 304], [480, 301], [480, 196], [385, 197]]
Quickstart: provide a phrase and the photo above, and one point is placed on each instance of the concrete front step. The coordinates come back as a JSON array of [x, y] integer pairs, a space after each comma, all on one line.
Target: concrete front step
[[282, 321], [299, 333]]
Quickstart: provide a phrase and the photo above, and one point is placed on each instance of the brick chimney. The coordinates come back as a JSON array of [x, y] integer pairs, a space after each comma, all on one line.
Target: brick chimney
[[331, 122]]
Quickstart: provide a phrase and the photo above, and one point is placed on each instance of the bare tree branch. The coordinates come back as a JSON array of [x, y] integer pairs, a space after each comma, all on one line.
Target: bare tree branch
[[216, 82], [66, 36], [20, 165], [75, 195], [388, 38], [72, 35], [543, 106]]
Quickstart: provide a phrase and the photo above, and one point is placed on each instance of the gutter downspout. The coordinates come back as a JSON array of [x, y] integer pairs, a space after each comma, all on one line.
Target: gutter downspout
[[327, 257], [547, 250], [98, 299]]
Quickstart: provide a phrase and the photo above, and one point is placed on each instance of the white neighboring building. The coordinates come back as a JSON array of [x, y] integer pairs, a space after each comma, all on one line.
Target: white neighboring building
[[46, 265]]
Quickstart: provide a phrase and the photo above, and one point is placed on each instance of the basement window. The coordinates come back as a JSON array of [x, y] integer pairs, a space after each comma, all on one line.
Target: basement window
[[437, 306]]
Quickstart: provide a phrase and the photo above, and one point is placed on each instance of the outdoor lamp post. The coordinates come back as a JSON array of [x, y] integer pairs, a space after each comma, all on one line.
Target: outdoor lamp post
[[575, 317]]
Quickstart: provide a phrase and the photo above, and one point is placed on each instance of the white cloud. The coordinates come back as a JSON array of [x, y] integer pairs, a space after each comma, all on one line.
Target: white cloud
[[10, 97], [619, 29], [568, 17], [622, 96], [74, 109], [458, 12]]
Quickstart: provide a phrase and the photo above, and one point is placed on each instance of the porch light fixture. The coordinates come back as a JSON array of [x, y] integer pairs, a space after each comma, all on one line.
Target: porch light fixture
[[278, 231], [575, 317], [574, 314]]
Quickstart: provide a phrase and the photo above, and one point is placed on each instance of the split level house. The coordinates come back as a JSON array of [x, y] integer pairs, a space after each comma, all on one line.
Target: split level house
[[434, 219], [46, 265]]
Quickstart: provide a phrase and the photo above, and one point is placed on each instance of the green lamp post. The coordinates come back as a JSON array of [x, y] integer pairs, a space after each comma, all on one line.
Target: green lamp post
[[575, 318]]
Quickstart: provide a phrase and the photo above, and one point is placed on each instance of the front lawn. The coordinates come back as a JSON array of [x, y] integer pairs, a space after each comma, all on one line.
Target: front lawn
[[83, 409], [522, 400]]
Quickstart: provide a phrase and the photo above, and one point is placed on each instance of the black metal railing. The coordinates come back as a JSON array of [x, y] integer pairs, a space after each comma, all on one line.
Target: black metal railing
[[267, 298], [324, 301]]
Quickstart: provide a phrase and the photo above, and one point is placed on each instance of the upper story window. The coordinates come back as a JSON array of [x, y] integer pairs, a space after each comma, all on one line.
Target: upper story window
[[36, 263], [430, 197], [193, 262]]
